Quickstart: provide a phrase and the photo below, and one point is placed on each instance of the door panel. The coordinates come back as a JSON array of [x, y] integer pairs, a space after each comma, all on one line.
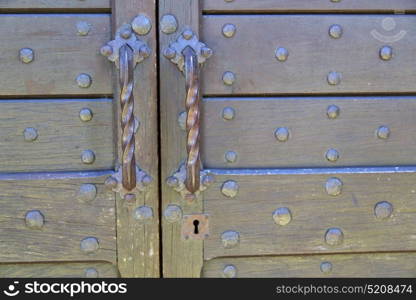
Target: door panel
[[52, 5]]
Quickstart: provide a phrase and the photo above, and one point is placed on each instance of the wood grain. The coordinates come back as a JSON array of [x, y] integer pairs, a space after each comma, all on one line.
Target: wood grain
[[313, 212], [380, 265], [53, 5], [311, 133], [68, 219], [62, 136], [57, 270], [180, 258], [60, 54], [251, 6], [313, 54]]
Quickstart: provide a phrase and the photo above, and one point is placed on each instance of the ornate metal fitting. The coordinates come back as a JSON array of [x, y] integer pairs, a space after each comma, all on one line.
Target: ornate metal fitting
[[187, 39], [125, 36], [177, 182]]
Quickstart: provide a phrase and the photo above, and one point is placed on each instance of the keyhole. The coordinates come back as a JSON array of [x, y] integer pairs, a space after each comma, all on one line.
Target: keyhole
[[196, 224]]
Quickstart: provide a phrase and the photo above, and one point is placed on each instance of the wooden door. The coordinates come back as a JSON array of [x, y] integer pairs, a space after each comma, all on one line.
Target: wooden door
[[60, 141], [306, 138]]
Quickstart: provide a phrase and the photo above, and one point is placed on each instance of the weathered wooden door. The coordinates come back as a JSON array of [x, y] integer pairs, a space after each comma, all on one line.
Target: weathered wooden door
[[61, 139], [306, 134]]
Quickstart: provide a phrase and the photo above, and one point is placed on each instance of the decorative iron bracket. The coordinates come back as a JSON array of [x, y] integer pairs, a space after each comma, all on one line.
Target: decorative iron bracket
[[126, 51]]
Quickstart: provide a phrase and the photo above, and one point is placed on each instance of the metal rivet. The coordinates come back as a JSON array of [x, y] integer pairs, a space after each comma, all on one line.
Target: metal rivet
[[85, 115], [26, 55], [130, 198], [386, 53], [144, 51], [334, 236], [333, 186], [383, 210], [332, 155], [206, 52], [87, 192], [169, 53], [229, 271], [168, 24], [187, 34], [89, 245], [383, 132], [141, 25], [281, 54], [91, 273], [228, 113], [30, 134], [334, 78], [111, 183], [335, 31], [228, 78], [282, 134], [34, 219], [88, 157], [182, 120], [228, 30], [143, 213], [106, 50], [83, 28], [326, 267], [230, 239], [230, 156], [146, 180], [84, 80], [172, 213], [172, 182], [126, 32], [282, 216], [207, 180], [333, 112], [230, 188]]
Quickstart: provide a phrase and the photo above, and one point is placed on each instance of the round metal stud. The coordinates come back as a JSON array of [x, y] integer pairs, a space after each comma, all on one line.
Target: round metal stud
[[91, 273], [172, 182], [111, 183], [333, 186], [172, 213], [228, 30], [282, 216], [130, 198], [106, 50], [141, 25], [88, 157], [169, 53], [144, 51], [281, 54], [26, 55], [334, 78], [282, 134], [34, 219], [84, 80], [89, 245], [386, 53], [143, 214], [334, 236], [383, 132], [85, 115], [146, 180], [206, 52], [30, 134], [168, 24], [335, 31], [230, 157], [383, 210], [333, 112], [230, 188], [332, 155], [126, 32], [83, 28], [228, 78], [207, 180], [228, 113], [326, 267], [182, 120], [229, 271], [230, 239], [87, 192], [187, 34]]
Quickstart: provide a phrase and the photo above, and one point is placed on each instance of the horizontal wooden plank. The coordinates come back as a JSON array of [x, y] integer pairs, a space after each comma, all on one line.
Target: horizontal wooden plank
[[355, 265], [60, 54], [70, 215], [61, 135], [313, 211], [353, 134], [307, 5], [67, 5], [312, 54], [59, 270]]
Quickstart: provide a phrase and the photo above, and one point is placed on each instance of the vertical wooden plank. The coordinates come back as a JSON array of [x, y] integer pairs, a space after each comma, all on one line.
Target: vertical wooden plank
[[180, 258], [138, 244]]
